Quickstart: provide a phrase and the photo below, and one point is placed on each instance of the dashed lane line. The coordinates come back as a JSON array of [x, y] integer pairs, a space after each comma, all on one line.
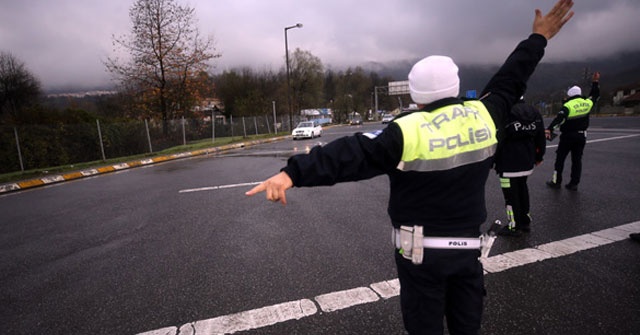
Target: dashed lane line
[[334, 301], [219, 187]]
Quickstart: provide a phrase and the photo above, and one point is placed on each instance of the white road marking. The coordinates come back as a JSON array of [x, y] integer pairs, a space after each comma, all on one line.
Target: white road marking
[[344, 299], [601, 140], [89, 172], [387, 289], [52, 179], [121, 166], [252, 319], [611, 138], [210, 188], [270, 315]]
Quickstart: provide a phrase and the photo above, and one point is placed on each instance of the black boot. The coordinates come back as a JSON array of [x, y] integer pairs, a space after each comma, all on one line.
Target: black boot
[[553, 185], [571, 187], [509, 231]]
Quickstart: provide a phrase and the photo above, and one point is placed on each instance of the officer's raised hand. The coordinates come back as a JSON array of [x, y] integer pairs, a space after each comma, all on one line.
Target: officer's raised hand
[[551, 23], [274, 187]]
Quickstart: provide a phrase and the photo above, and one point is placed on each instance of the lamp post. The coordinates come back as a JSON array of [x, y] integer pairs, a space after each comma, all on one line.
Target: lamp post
[[286, 51]]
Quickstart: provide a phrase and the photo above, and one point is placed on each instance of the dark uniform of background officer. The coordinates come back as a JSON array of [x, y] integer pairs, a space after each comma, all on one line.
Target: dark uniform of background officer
[[443, 195], [573, 121], [521, 149]]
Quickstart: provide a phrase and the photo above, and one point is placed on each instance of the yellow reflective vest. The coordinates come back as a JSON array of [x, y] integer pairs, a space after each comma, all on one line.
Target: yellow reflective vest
[[447, 137], [578, 107]]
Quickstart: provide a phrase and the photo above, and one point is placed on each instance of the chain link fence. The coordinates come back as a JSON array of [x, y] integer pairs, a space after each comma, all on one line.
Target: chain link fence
[[28, 147]]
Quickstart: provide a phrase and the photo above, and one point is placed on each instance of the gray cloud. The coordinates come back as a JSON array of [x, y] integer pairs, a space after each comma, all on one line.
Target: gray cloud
[[64, 42]]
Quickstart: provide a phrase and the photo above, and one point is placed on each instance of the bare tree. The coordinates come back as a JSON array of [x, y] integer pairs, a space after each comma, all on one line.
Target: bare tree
[[167, 57], [18, 87]]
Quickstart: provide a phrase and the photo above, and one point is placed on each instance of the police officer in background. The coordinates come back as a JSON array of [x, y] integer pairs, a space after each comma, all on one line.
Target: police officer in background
[[438, 159], [521, 149], [573, 121]]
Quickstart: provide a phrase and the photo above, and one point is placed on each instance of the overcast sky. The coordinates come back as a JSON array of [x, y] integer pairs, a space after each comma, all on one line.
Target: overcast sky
[[64, 42]]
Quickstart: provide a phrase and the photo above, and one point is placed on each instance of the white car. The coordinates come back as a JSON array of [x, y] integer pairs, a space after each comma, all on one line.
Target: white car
[[307, 129], [387, 118]]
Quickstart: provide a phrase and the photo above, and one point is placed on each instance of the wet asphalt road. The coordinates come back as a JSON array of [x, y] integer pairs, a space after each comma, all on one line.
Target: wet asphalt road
[[126, 253]]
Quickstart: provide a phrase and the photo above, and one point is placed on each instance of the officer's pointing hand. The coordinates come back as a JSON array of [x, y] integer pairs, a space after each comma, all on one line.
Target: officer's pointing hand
[[551, 23], [274, 188]]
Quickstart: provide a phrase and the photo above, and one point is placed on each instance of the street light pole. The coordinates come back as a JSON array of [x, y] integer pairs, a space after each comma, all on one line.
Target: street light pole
[[286, 51]]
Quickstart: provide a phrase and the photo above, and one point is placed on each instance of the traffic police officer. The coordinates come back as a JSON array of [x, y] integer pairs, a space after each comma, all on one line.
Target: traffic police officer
[[573, 121], [521, 149], [438, 159]]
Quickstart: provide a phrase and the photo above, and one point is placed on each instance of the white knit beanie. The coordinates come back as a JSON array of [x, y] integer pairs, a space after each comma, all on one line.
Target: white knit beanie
[[573, 91], [433, 78]]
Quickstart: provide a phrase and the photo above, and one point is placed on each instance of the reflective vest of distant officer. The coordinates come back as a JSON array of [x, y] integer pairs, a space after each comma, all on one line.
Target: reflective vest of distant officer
[[578, 107]]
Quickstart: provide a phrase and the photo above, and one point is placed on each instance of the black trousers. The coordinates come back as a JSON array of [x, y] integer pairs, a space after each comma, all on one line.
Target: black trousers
[[516, 199], [570, 142], [448, 283]]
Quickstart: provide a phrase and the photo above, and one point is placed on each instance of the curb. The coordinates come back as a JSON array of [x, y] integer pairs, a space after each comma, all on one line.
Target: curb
[[53, 179]]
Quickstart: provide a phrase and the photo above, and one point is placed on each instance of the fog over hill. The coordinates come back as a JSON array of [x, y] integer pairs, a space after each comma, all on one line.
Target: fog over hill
[[549, 81]]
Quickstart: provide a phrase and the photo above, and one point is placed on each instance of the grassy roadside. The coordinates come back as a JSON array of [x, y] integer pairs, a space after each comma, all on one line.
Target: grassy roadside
[[195, 145]]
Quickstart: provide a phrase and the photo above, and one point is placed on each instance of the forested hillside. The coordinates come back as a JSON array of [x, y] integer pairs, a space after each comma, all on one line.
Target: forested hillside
[[550, 80]]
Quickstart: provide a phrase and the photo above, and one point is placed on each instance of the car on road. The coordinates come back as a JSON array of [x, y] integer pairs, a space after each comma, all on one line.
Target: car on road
[[387, 118], [355, 121], [307, 129]]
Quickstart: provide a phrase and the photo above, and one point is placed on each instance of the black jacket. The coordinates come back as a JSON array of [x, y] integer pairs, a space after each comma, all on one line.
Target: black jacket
[[523, 144], [446, 203], [573, 125]]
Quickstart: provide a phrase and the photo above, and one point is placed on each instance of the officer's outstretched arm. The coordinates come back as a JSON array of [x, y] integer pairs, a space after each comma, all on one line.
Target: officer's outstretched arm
[[550, 24], [594, 94], [275, 188]]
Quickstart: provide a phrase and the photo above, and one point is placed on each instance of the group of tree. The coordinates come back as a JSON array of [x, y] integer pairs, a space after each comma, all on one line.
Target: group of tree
[[19, 88], [246, 92]]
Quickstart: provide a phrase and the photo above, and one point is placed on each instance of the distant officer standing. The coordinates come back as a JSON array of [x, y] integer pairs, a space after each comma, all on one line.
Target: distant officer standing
[[438, 159], [521, 149], [573, 121]]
